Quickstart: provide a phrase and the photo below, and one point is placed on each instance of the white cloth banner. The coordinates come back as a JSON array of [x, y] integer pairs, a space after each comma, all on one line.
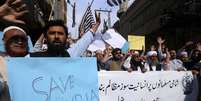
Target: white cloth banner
[[150, 86]]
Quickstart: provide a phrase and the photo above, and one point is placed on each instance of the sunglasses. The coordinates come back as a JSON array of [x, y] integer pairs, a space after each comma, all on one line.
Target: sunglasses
[[17, 39]]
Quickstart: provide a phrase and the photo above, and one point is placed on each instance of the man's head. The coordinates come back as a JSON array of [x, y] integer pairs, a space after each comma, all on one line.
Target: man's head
[[15, 41], [99, 55], [152, 56], [183, 56], [136, 55], [195, 55], [88, 53], [117, 55], [173, 54], [56, 34]]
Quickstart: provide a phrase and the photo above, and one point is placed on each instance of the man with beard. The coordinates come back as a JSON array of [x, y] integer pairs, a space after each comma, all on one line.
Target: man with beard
[[152, 63], [55, 32], [174, 63], [136, 63], [116, 60]]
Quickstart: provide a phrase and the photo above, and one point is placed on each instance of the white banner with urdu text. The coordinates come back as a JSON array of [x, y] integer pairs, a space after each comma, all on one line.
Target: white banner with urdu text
[[150, 86]]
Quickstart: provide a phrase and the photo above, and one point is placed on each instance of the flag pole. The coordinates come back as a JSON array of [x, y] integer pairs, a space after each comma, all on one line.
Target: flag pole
[[91, 3]]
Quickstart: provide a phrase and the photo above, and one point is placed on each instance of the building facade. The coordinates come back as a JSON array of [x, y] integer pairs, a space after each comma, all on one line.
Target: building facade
[[178, 21]]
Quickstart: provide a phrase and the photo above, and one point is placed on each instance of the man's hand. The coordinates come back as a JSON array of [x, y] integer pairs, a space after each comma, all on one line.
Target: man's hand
[[160, 41], [12, 10], [143, 48], [98, 21]]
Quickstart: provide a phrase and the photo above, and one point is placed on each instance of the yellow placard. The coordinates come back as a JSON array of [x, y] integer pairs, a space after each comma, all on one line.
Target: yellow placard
[[136, 42]]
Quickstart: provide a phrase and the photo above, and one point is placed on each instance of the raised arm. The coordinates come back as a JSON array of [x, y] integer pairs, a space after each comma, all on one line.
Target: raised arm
[[82, 44], [160, 42], [12, 10]]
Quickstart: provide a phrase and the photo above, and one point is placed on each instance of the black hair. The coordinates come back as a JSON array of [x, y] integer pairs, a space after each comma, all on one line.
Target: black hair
[[115, 50], [55, 23]]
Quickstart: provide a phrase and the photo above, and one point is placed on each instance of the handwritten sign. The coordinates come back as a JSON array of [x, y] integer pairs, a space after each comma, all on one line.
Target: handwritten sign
[[53, 79], [151, 86], [136, 42]]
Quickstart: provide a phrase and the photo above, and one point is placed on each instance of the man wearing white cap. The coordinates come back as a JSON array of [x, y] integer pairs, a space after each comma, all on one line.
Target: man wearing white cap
[[152, 63], [16, 45], [175, 64], [15, 42]]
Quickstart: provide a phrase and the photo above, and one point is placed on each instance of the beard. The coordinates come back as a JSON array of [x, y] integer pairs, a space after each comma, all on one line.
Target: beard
[[56, 46], [117, 58]]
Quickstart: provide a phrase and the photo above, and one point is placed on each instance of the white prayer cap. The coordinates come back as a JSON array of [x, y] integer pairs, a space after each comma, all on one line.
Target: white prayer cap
[[136, 52], [13, 27], [184, 53], [151, 53], [13, 34]]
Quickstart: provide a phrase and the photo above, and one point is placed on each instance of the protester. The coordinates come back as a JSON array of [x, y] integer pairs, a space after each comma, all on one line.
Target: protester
[[107, 59], [152, 63], [195, 67], [15, 42], [56, 34], [161, 49], [14, 39], [136, 64], [174, 63], [16, 45], [127, 60], [116, 60], [100, 56], [184, 58]]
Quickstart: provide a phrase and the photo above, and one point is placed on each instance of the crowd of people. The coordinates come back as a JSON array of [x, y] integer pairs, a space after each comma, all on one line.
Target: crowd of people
[[154, 59], [53, 43]]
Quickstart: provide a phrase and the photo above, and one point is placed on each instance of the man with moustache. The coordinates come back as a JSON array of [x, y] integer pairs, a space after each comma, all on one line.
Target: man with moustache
[[55, 32]]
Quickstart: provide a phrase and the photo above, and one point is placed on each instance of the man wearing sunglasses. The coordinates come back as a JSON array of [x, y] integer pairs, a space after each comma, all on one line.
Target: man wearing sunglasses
[[15, 42], [16, 45]]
